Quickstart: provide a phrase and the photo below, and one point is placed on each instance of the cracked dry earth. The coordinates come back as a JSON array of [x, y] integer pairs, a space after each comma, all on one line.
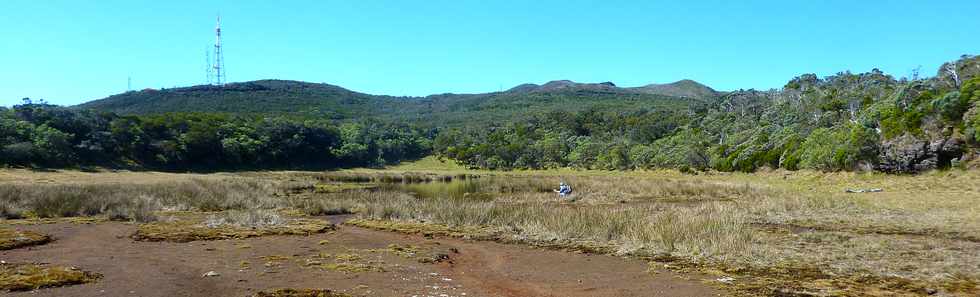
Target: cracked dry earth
[[244, 267]]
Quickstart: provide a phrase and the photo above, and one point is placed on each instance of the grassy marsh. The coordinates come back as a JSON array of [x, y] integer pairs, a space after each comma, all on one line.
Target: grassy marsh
[[775, 232], [852, 244]]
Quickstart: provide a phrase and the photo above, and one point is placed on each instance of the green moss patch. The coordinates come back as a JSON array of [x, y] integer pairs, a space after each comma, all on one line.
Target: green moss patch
[[12, 239], [22, 277], [187, 231]]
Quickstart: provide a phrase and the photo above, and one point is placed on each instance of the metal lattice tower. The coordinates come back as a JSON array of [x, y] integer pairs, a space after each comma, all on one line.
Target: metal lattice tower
[[216, 69]]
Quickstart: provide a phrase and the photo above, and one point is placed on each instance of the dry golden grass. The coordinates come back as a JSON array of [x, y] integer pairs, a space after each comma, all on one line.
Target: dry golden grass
[[135, 201], [12, 239], [888, 243], [20, 277], [227, 226]]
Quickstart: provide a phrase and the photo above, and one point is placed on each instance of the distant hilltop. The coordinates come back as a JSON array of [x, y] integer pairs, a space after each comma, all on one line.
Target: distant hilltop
[[683, 88]]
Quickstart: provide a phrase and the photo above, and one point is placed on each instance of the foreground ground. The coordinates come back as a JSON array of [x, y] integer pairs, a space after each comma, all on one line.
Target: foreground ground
[[498, 234], [246, 266]]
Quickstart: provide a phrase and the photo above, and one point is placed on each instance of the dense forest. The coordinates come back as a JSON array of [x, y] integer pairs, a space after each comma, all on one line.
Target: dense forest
[[50, 136], [867, 121], [847, 121]]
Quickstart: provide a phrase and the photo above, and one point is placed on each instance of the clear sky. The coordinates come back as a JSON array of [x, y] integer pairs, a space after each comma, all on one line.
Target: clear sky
[[69, 52]]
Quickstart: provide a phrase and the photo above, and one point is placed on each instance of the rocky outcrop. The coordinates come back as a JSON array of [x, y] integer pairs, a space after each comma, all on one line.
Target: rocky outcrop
[[908, 154]]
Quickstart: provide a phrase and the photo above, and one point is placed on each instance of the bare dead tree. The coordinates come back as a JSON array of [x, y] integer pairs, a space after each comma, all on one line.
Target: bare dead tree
[[852, 109], [951, 70]]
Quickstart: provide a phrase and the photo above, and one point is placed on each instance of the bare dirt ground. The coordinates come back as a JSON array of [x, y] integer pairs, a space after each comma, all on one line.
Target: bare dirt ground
[[133, 268]]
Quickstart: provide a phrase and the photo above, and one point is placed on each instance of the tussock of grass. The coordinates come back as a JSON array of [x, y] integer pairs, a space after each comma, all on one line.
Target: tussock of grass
[[350, 267], [346, 263], [134, 201], [425, 229], [800, 279], [188, 230], [300, 293], [417, 253], [40, 221], [340, 187], [21, 277], [709, 230], [12, 239], [391, 177], [254, 219]]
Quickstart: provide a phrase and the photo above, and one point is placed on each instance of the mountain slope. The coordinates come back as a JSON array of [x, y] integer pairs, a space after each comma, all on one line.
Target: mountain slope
[[329, 101], [263, 96], [683, 88]]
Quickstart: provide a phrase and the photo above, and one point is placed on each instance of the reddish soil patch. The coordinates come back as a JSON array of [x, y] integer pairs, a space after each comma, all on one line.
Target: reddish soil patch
[[132, 268]]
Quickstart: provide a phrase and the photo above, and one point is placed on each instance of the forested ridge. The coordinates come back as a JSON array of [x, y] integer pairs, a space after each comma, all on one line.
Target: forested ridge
[[847, 121], [842, 122]]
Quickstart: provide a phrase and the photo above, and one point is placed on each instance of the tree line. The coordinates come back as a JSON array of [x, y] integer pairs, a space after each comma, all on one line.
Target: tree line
[[42, 135], [847, 121]]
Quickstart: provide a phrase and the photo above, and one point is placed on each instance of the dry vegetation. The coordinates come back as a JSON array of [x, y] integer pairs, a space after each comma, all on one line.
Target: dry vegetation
[[20, 277], [228, 225], [133, 201], [775, 233]]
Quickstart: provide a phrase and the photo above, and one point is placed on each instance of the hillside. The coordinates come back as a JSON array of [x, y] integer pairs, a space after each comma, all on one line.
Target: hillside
[[328, 101], [262, 96], [683, 88]]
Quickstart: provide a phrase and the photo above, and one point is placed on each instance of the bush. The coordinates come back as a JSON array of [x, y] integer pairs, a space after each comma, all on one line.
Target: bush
[[839, 148]]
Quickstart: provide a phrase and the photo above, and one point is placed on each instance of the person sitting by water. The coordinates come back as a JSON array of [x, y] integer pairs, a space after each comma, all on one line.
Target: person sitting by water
[[563, 190]]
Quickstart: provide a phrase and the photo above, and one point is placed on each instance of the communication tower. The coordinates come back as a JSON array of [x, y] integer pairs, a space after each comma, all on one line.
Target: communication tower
[[216, 69]]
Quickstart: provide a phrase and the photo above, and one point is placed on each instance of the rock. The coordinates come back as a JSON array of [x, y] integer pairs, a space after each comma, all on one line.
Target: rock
[[211, 274], [909, 154], [872, 190], [727, 279]]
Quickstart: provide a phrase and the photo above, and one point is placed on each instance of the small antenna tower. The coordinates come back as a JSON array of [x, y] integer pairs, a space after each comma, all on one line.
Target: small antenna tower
[[216, 74], [207, 67], [129, 84]]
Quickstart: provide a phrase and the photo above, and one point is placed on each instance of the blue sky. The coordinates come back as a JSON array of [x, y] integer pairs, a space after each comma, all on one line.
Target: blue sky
[[69, 52]]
